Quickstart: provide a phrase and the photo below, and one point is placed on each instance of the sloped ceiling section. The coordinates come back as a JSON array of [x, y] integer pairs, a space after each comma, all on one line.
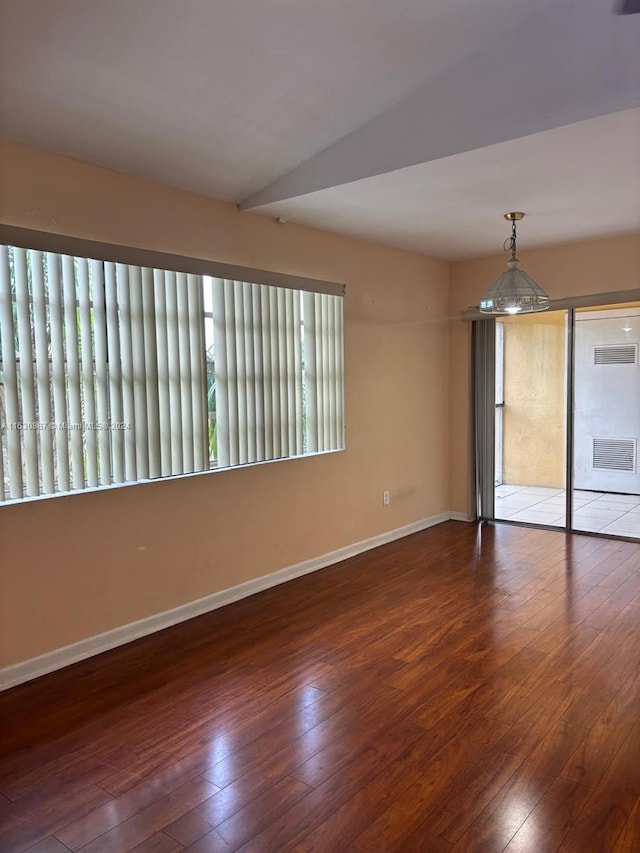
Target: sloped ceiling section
[[223, 96], [574, 61]]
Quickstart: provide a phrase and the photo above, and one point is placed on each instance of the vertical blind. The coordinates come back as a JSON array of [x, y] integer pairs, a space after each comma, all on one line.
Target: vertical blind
[[484, 372], [115, 373], [325, 368], [258, 356]]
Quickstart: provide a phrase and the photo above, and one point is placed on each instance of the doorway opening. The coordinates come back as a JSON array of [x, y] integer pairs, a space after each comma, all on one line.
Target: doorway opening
[[531, 428]]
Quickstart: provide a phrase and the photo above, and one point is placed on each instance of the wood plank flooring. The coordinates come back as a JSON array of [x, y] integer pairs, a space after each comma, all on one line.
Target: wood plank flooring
[[468, 688]]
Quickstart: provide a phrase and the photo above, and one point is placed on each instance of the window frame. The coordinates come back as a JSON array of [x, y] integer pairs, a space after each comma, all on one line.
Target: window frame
[[105, 252]]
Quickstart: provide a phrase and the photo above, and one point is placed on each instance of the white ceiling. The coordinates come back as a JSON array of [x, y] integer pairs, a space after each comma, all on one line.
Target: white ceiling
[[410, 122]]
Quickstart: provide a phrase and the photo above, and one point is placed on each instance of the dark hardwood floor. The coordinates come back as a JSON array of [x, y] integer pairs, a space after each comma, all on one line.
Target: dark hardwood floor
[[464, 689]]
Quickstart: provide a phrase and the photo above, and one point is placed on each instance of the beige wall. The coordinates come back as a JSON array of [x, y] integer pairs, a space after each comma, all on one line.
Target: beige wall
[[74, 566], [576, 269], [534, 413]]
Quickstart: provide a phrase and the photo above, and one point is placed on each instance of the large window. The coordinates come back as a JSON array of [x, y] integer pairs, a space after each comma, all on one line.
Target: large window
[[117, 373]]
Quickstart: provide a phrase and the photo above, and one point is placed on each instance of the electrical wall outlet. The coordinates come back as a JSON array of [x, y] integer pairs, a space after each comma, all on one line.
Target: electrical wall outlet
[[385, 498]]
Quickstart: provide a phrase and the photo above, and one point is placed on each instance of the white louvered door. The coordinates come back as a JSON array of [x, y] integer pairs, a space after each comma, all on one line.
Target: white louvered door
[[607, 401]]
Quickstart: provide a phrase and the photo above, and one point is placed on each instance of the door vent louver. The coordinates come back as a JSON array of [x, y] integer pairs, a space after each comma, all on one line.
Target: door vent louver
[[614, 454], [615, 354]]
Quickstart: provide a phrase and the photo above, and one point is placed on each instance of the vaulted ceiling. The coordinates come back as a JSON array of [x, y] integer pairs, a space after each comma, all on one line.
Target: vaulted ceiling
[[414, 123]]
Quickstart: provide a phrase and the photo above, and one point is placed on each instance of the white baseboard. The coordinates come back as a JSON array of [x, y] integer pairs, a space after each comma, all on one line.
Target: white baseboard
[[459, 516], [25, 671]]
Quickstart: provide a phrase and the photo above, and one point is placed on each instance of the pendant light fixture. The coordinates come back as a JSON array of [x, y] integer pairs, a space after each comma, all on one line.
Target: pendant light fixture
[[514, 292]]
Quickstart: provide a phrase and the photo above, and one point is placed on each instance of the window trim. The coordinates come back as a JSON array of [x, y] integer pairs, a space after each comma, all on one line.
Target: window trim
[[310, 454], [43, 241]]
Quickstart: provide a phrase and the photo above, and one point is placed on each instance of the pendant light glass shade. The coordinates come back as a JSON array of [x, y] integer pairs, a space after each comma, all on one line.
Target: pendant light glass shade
[[514, 292]]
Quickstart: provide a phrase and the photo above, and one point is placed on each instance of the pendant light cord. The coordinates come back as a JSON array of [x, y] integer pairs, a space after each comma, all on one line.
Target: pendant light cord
[[510, 242]]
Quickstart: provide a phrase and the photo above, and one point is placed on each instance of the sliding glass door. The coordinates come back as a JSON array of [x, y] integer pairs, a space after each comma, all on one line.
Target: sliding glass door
[[558, 419], [530, 418]]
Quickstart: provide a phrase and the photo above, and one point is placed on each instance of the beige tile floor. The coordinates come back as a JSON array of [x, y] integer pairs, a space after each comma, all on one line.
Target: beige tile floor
[[595, 512]]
